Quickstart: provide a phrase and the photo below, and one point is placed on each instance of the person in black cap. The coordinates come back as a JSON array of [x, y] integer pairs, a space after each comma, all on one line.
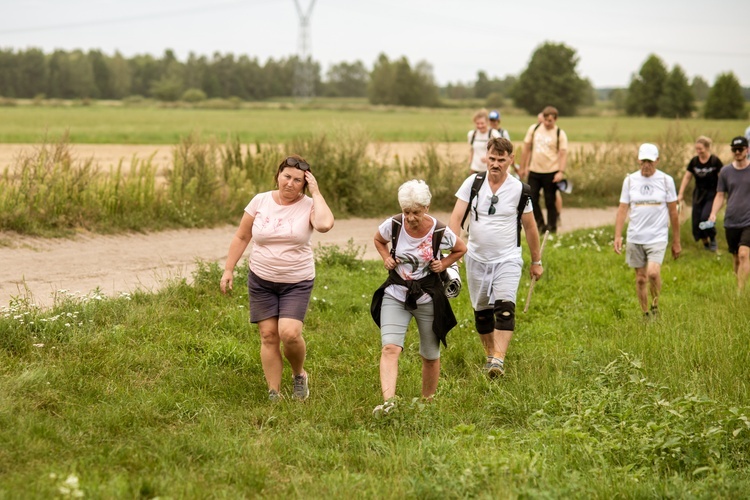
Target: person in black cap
[[734, 184]]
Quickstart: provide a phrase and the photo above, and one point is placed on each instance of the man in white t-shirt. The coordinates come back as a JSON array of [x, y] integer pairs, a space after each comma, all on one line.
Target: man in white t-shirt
[[494, 260], [651, 196], [478, 138]]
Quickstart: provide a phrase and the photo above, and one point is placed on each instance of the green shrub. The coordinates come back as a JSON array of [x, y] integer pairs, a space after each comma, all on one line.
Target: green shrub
[[193, 95]]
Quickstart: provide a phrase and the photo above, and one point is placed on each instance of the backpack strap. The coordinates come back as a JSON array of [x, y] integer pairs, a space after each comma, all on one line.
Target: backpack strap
[[523, 200], [396, 222], [473, 136], [531, 144], [475, 187], [437, 238]]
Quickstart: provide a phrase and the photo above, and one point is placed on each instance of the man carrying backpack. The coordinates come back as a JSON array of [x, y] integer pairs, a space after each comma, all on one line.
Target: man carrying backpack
[[499, 205], [545, 155]]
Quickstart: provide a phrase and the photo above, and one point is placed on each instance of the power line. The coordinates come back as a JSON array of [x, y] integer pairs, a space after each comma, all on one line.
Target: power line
[[128, 19]]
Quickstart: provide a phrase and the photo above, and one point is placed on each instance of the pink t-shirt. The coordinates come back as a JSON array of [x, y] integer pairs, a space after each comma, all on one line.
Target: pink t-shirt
[[281, 250]]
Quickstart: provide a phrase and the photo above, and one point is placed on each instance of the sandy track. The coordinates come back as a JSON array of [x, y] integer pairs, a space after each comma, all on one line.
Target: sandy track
[[39, 268], [109, 155]]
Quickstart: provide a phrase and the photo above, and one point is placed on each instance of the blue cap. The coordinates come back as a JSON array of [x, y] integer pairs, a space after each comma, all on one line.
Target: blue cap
[[494, 115]]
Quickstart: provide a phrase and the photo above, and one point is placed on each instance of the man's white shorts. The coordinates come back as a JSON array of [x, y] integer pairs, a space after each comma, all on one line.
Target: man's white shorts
[[491, 282]]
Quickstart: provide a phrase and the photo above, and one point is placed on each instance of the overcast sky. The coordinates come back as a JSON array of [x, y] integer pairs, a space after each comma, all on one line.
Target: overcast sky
[[458, 38]]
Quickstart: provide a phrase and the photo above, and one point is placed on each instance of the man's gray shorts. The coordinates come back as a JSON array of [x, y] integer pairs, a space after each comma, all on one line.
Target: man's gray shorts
[[637, 255]]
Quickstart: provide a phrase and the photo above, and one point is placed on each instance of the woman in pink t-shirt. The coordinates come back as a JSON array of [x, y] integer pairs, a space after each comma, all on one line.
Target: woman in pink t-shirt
[[282, 270]]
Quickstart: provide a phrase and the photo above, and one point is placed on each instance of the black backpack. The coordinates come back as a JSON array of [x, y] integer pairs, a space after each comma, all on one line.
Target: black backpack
[[489, 134], [523, 200], [437, 235], [531, 145]]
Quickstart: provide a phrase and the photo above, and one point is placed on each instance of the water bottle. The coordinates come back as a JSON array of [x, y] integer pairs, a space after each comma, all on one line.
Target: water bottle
[[706, 224]]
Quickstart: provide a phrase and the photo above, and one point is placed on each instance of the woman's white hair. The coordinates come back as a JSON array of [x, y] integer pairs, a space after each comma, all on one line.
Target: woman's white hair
[[414, 193]]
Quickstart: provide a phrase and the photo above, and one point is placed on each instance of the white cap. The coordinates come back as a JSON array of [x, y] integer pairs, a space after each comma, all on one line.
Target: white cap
[[648, 151]]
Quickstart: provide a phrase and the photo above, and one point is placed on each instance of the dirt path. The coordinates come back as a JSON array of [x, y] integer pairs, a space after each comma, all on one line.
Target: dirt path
[[109, 155], [39, 268]]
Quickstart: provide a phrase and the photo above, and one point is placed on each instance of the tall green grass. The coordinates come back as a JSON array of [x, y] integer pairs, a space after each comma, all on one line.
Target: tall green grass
[[163, 395], [49, 191]]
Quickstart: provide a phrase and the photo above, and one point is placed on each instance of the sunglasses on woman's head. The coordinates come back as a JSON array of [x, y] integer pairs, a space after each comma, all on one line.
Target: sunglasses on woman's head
[[294, 162]]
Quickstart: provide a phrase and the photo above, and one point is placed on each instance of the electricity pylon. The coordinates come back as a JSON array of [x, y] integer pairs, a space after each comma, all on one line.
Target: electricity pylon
[[304, 77]]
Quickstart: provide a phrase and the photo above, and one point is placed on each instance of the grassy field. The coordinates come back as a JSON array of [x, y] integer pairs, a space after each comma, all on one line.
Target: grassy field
[[163, 395], [154, 125]]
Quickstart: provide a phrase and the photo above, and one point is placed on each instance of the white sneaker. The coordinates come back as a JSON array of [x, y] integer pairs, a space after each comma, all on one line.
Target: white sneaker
[[383, 409]]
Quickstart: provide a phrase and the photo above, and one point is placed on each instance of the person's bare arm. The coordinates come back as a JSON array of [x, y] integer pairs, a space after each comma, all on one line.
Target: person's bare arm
[[321, 217], [532, 239], [525, 156], [458, 250], [563, 164], [237, 247], [459, 209], [622, 213], [683, 185], [718, 203], [674, 219], [381, 245]]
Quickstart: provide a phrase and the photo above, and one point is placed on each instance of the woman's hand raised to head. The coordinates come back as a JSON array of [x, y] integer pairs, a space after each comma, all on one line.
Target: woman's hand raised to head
[[312, 183]]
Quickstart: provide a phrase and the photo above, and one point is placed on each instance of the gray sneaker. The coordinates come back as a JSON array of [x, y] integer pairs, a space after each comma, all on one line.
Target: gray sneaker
[[274, 396], [301, 390], [713, 246], [495, 369]]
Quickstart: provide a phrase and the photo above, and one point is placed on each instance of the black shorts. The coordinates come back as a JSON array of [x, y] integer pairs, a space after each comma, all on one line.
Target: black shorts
[[737, 237], [277, 300]]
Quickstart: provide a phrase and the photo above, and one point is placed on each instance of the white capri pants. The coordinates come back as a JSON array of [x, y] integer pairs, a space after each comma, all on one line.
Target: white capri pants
[[394, 320], [491, 282]]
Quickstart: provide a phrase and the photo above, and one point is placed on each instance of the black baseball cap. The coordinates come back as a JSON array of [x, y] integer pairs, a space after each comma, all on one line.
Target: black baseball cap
[[739, 142]]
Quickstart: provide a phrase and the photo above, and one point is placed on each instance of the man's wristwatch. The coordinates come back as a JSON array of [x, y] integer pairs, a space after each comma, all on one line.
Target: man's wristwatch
[[536, 263]]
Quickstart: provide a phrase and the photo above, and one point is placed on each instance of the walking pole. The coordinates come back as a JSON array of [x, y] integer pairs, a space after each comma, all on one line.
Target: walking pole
[[533, 278]]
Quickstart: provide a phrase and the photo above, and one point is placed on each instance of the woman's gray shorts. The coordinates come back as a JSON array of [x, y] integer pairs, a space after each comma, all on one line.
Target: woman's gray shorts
[[277, 300], [394, 320]]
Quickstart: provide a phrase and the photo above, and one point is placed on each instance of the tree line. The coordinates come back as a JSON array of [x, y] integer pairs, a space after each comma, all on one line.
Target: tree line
[[551, 77], [655, 91], [79, 75]]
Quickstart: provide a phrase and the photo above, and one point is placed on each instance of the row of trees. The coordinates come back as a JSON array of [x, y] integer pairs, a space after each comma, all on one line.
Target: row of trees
[[551, 77], [654, 91], [77, 74]]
